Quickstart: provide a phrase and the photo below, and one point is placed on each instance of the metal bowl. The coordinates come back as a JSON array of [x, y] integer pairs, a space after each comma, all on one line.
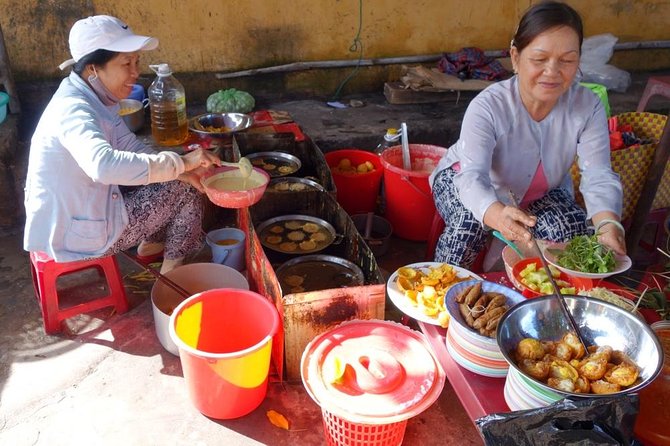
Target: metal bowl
[[600, 323], [229, 123], [276, 164]]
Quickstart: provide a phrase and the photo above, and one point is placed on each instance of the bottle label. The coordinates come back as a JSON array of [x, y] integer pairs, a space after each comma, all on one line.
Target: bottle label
[[181, 109]]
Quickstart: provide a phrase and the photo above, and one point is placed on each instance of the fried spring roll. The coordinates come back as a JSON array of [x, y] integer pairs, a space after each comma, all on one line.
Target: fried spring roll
[[473, 294], [482, 320]]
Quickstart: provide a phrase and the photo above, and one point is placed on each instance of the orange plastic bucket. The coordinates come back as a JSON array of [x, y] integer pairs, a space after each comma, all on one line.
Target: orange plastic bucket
[[356, 192], [409, 200], [224, 337]]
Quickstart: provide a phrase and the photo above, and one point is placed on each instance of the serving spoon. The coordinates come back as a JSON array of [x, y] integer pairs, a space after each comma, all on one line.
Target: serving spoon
[[244, 165], [557, 291]]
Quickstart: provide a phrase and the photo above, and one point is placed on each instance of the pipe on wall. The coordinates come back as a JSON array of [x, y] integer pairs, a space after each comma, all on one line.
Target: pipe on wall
[[300, 66]]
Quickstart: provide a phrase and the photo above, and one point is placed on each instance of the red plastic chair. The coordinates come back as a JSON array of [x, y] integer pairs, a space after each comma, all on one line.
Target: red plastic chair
[[45, 272], [656, 85]]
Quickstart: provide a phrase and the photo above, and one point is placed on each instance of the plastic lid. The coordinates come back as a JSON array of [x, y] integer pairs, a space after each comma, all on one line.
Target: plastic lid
[[162, 69], [371, 372]]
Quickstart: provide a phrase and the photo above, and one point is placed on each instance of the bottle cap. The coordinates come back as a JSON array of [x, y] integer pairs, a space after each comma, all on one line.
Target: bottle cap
[[162, 69]]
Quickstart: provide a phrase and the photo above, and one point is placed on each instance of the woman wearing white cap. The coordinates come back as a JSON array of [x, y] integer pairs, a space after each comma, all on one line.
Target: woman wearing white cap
[[92, 187]]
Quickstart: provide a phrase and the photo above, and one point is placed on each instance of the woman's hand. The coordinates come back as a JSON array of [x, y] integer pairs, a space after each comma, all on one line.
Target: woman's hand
[[200, 158], [510, 221], [611, 235], [193, 178]]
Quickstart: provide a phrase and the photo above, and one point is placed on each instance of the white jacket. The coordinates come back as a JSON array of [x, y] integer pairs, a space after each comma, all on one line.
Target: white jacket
[[500, 147], [80, 153]]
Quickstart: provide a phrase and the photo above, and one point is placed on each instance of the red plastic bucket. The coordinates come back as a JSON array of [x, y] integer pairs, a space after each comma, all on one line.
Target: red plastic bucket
[[409, 200], [356, 192], [224, 337]]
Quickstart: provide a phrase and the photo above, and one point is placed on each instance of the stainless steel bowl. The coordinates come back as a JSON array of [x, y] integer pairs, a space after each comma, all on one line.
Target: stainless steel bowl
[[600, 323], [132, 113], [233, 122]]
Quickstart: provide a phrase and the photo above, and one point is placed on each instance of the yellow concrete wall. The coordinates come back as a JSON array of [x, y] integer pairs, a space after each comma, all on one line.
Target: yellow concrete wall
[[230, 35]]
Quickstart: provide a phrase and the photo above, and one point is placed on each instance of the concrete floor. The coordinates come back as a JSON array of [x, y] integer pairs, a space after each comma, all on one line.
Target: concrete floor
[[106, 380]]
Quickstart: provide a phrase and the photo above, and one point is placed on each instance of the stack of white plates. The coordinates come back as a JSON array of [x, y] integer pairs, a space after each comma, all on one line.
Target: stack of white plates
[[472, 351], [523, 393]]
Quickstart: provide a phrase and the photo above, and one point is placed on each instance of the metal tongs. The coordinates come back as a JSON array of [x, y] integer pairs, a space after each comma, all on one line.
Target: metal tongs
[[557, 291]]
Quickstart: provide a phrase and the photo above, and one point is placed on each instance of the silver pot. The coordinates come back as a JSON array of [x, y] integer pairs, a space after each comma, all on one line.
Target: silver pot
[[132, 113]]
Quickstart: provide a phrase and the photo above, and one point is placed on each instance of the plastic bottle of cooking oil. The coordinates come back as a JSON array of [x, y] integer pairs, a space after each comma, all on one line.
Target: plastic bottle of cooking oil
[[167, 99]]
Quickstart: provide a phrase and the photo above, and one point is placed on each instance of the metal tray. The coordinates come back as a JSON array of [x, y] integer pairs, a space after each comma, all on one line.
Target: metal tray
[[276, 164], [318, 272], [293, 184], [297, 234]]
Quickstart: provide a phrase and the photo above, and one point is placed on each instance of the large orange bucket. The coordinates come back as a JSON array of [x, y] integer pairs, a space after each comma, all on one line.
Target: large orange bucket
[[356, 192], [409, 200], [224, 337]]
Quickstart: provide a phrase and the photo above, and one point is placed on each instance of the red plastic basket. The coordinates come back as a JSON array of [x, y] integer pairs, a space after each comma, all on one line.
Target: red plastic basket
[[340, 432]]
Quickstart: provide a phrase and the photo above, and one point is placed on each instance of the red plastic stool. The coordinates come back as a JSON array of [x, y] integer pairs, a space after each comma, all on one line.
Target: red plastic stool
[[655, 235], [45, 273], [656, 85]]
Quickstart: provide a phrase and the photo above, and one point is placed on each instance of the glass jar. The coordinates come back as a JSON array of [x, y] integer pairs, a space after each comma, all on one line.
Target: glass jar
[[652, 426]]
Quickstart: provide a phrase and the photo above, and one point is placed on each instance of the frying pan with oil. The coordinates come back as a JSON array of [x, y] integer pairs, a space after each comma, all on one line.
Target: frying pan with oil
[[297, 234]]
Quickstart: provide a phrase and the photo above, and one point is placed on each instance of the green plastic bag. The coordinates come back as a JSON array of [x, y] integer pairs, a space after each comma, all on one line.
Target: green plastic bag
[[601, 92]]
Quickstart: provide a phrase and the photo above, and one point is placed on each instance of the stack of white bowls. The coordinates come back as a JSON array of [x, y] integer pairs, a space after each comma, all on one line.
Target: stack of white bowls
[[523, 393], [472, 351]]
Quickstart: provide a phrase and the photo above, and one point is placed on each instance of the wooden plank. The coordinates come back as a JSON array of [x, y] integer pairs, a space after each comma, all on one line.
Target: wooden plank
[[6, 77], [396, 94]]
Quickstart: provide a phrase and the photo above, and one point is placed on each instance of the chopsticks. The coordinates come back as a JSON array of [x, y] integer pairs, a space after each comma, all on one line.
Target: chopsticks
[[557, 291], [161, 278]]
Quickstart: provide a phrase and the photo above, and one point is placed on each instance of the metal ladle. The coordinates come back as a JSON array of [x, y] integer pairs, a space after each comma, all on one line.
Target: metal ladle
[[557, 291]]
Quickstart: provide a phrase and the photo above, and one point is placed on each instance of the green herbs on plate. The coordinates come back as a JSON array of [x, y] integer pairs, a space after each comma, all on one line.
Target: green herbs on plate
[[584, 253]]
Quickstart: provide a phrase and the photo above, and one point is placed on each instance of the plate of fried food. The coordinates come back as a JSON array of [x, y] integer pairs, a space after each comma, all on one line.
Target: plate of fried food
[[478, 306], [418, 289]]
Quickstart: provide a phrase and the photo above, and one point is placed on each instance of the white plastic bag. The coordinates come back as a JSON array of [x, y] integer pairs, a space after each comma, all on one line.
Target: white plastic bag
[[596, 52]]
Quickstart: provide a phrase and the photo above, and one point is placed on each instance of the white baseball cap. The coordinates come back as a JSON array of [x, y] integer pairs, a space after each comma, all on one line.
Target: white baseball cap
[[103, 32]]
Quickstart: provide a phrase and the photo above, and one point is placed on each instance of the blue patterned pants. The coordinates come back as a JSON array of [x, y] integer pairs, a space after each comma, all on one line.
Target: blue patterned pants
[[559, 219]]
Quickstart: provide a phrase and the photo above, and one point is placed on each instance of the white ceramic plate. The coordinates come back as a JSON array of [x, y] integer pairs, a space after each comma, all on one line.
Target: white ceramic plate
[[398, 298], [621, 263]]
